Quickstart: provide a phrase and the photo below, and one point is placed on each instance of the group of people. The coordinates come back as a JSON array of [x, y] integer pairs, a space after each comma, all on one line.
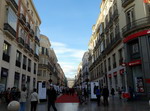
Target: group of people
[[13, 94]]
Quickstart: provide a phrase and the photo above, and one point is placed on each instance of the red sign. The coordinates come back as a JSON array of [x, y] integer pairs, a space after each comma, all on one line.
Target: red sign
[[147, 80], [146, 1], [115, 73], [135, 35], [121, 71], [133, 63], [109, 75]]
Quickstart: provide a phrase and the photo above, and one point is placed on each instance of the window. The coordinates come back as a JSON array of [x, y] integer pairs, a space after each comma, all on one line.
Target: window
[[6, 48], [18, 56], [42, 50], [114, 60], [12, 18], [130, 16], [24, 62], [36, 49], [148, 9], [29, 65], [18, 59], [120, 56], [109, 64], [116, 29], [135, 48], [34, 68]]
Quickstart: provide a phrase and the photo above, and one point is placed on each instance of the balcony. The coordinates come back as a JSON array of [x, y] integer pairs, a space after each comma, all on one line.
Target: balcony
[[113, 43], [27, 47], [13, 4], [110, 21], [31, 50], [115, 14], [6, 57], [22, 19], [27, 26], [31, 32], [136, 25], [9, 31], [18, 63], [24, 66], [21, 42], [37, 39], [36, 56], [126, 2]]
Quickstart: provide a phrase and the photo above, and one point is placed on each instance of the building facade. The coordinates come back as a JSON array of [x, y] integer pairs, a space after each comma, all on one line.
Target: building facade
[[49, 69], [119, 46], [19, 43]]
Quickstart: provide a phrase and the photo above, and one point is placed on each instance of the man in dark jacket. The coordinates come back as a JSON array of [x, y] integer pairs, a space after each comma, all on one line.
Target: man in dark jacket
[[52, 95], [105, 95]]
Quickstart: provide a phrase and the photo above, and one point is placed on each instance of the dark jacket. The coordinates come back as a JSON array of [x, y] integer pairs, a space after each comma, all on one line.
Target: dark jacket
[[105, 92], [52, 95]]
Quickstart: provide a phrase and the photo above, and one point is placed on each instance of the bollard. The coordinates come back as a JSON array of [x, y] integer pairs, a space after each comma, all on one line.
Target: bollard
[[13, 106]]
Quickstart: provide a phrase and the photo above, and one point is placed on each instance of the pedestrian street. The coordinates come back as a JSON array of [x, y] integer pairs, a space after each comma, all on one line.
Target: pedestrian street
[[114, 105]]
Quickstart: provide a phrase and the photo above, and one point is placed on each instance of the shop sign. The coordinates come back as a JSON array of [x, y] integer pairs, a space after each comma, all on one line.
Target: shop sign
[[121, 71], [133, 63], [147, 80], [115, 73], [146, 1]]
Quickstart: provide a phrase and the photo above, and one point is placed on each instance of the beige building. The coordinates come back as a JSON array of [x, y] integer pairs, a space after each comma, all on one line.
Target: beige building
[[119, 45], [49, 69], [19, 43]]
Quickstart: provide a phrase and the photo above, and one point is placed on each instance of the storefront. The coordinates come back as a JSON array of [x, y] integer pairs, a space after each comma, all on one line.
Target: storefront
[[3, 81], [137, 56]]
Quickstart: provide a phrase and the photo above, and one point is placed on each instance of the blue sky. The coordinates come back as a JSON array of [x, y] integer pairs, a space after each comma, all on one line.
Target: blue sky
[[68, 24]]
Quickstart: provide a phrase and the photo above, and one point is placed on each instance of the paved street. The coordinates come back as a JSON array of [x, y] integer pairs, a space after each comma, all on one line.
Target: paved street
[[116, 105]]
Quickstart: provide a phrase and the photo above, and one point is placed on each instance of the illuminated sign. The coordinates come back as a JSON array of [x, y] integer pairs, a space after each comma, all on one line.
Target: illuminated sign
[[146, 1]]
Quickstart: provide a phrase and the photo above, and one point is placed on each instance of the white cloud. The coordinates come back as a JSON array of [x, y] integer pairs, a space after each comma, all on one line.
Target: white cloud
[[68, 58]]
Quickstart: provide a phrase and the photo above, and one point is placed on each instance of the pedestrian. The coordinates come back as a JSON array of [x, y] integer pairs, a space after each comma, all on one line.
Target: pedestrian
[[23, 99], [112, 92], [52, 96], [98, 95], [34, 100], [105, 95], [8, 96], [120, 92]]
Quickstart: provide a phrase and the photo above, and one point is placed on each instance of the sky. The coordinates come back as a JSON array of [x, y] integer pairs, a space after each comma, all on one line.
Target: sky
[[68, 25]]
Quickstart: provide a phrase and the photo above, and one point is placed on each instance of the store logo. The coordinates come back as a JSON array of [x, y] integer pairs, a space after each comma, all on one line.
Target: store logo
[[148, 31]]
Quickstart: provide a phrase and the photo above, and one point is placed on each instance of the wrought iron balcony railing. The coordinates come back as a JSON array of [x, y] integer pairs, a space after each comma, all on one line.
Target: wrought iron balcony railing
[[126, 2], [136, 25], [20, 41], [13, 4], [9, 30]]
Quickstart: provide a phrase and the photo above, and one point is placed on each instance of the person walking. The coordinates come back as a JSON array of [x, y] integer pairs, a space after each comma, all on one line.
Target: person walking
[[23, 99], [98, 95], [112, 93], [34, 100], [51, 94], [105, 95]]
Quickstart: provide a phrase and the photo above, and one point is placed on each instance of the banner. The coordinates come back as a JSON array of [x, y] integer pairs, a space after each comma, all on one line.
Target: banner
[[146, 1]]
